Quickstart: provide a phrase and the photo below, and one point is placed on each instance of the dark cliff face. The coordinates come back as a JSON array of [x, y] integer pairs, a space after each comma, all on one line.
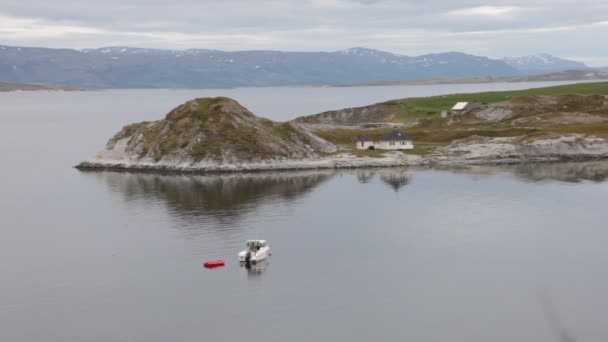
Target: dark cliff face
[[214, 129]]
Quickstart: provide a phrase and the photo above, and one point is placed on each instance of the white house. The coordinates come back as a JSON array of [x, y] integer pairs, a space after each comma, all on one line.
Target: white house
[[395, 140], [460, 107]]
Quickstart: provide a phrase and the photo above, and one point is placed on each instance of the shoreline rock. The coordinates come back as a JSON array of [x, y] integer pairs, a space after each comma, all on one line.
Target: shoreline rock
[[470, 151]]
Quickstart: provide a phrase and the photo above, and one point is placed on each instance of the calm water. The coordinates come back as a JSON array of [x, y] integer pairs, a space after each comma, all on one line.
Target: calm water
[[481, 254]]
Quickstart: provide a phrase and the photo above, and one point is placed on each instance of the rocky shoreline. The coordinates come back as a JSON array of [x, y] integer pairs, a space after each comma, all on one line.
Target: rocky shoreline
[[470, 151]]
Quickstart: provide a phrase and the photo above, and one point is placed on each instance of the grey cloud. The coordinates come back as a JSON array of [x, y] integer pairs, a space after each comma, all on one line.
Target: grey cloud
[[494, 28]]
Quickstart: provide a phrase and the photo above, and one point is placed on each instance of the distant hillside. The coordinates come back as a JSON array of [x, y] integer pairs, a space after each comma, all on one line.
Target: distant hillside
[[124, 67], [553, 123], [407, 111]]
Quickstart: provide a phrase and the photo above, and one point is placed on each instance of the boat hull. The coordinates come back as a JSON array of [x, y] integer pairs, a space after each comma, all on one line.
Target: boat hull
[[254, 257]]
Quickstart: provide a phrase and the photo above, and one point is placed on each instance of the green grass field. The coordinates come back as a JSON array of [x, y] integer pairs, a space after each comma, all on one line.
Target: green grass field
[[431, 107]]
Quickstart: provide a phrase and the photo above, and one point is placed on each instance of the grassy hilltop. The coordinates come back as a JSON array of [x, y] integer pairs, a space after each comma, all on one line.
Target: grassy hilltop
[[215, 130]]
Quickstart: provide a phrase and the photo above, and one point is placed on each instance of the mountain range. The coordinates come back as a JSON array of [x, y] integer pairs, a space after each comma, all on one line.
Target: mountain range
[[125, 67]]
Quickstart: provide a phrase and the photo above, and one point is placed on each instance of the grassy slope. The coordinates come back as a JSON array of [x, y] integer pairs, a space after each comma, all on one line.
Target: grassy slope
[[431, 107], [433, 131]]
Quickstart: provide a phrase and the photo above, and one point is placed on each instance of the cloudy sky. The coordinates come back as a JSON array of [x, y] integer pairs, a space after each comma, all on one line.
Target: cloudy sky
[[572, 29]]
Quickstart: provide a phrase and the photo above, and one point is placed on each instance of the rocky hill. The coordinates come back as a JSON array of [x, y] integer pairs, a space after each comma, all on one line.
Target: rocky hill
[[204, 133]]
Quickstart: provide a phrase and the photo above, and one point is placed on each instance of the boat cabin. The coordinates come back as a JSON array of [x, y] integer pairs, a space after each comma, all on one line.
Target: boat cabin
[[255, 245]]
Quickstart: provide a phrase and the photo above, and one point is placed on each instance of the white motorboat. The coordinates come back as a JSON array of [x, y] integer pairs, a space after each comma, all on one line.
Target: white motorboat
[[257, 250]]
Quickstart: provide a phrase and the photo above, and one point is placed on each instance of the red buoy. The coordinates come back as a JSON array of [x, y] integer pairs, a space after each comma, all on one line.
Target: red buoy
[[213, 263]]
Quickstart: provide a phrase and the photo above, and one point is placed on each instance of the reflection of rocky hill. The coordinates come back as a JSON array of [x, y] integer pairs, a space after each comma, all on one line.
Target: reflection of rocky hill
[[565, 172], [395, 178], [222, 197]]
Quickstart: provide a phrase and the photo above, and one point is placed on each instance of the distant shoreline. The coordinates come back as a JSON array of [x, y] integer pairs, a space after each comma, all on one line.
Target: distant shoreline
[[16, 87], [563, 76], [590, 75]]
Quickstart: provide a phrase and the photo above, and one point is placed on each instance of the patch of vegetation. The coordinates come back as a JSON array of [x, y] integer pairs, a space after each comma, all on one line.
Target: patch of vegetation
[[129, 130], [347, 137], [149, 139], [423, 149], [285, 130]]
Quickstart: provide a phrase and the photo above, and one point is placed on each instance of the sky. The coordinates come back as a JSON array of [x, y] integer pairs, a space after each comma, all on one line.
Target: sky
[[494, 28]]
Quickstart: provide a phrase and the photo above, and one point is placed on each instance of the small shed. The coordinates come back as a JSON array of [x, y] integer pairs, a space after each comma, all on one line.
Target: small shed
[[394, 140], [460, 107]]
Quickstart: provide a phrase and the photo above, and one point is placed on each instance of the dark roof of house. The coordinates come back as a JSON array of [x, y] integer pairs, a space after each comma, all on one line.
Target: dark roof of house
[[395, 135]]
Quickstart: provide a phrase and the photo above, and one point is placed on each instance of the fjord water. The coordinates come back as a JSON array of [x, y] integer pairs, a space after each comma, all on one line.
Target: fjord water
[[511, 253]]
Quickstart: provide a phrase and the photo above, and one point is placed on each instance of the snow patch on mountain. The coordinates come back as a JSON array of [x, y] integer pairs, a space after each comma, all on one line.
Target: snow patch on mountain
[[542, 62]]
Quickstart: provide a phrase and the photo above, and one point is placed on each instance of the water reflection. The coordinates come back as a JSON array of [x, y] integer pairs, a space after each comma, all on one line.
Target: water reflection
[[255, 270], [365, 175], [228, 197], [395, 178], [571, 172], [225, 197]]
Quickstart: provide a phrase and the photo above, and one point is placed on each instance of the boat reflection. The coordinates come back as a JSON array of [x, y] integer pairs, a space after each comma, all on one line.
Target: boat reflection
[[255, 270]]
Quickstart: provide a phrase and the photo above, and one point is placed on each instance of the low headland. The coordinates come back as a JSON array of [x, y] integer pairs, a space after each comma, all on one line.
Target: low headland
[[13, 86], [562, 123]]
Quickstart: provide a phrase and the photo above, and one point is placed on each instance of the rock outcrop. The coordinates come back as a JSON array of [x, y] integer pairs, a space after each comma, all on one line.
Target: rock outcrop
[[485, 150], [208, 134]]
